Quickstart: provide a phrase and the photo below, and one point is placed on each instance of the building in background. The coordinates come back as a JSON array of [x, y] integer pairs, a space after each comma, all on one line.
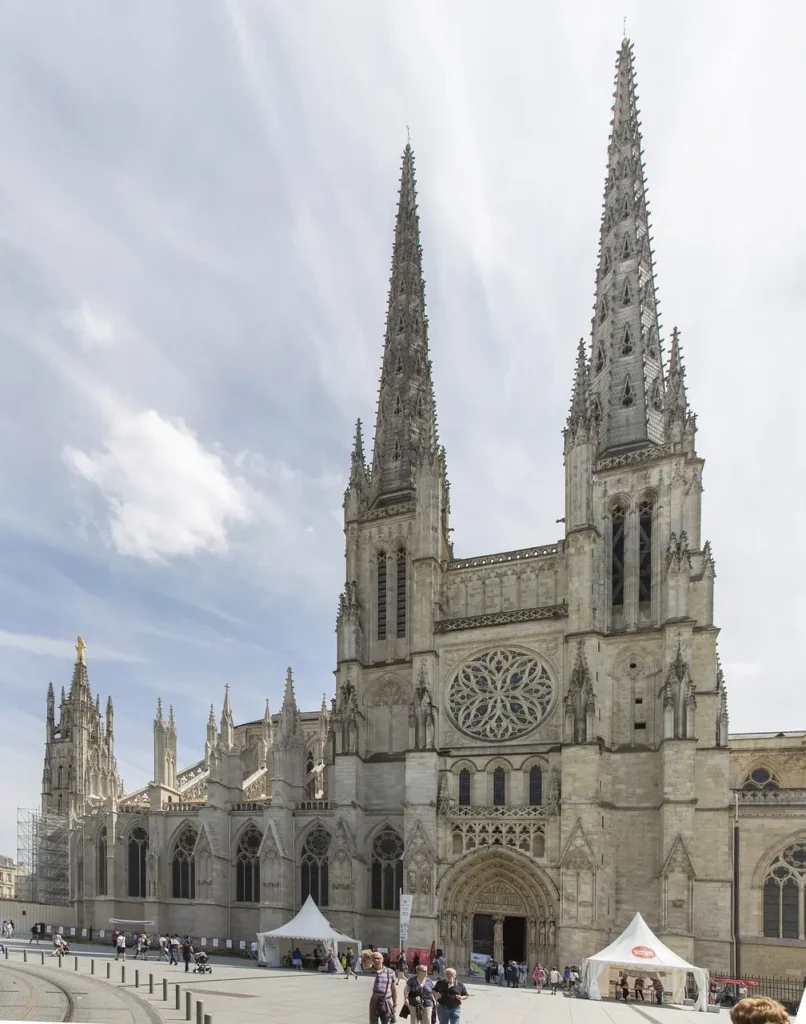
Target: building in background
[[533, 743], [8, 878]]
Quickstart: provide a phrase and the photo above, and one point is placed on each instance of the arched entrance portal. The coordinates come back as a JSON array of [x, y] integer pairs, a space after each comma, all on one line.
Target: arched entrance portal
[[497, 902]]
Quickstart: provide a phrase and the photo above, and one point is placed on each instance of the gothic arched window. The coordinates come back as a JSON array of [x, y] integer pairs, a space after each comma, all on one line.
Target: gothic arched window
[[100, 858], [59, 778], [183, 866], [137, 848], [381, 595], [619, 519], [313, 871], [783, 894], [247, 867], [499, 787], [535, 786], [626, 342], [464, 787], [645, 510], [387, 870], [760, 779], [401, 592]]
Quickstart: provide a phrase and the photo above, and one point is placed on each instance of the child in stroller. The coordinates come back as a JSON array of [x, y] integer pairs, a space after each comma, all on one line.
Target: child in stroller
[[202, 965]]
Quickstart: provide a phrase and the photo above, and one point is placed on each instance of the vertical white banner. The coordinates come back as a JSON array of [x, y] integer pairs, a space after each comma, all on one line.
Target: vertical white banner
[[405, 917]]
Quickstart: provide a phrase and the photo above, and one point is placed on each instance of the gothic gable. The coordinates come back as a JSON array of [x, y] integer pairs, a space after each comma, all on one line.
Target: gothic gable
[[679, 861], [578, 854]]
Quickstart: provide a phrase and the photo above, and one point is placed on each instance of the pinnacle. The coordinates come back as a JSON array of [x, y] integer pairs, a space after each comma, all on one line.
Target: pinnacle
[[211, 719], [159, 709], [289, 700]]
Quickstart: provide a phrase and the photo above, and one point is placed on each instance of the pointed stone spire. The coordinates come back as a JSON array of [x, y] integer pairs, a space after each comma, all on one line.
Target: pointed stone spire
[[110, 724], [579, 420], [227, 733], [51, 705], [212, 735], [358, 468], [289, 713], [159, 711], [268, 727], [171, 722], [626, 371], [680, 422], [406, 424]]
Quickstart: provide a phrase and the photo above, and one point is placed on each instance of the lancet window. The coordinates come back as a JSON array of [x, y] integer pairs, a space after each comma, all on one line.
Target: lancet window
[[183, 866], [619, 521], [247, 867], [535, 786], [100, 860], [645, 510], [401, 592], [499, 787], [314, 869], [387, 870], [464, 787], [137, 849], [382, 595], [783, 895]]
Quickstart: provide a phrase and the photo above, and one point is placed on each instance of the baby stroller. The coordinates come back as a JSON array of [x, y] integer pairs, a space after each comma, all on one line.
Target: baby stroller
[[202, 965]]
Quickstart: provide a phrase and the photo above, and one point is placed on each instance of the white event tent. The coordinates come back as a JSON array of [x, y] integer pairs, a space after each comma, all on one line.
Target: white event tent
[[310, 925], [638, 949]]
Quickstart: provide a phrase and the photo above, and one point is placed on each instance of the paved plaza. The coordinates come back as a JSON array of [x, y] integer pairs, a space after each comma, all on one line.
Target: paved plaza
[[242, 993]]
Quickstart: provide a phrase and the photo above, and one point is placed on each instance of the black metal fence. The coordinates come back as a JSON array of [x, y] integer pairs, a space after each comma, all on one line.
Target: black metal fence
[[787, 991]]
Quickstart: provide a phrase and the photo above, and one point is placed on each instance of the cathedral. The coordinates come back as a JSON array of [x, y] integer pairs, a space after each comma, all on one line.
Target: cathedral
[[533, 743]]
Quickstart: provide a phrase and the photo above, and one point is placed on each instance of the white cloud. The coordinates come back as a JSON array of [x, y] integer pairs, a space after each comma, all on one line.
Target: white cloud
[[167, 495], [91, 328], [53, 647]]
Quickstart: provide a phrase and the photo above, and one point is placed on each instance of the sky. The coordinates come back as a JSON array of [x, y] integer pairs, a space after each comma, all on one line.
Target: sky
[[196, 211]]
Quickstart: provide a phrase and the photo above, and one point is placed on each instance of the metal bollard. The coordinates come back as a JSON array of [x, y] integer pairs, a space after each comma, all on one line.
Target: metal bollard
[[75, 965], [165, 990], [178, 997], [25, 956], [6, 949], [208, 1018], [43, 957], [109, 968], [151, 984], [61, 960], [92, 967], [199, 1012], [188, 1007], [137, 979], [123, 975]]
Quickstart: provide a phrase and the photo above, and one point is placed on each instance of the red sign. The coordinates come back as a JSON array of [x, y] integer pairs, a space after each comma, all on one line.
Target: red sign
[[643, 952]]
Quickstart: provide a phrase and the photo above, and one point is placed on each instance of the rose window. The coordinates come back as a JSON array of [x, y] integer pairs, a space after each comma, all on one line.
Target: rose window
[[500, 695]]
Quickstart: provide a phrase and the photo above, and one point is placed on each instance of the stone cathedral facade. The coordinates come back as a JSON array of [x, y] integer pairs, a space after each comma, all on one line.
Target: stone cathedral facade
[[533, 743]]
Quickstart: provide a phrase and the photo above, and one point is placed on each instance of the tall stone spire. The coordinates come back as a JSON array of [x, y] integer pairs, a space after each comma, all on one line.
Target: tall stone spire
[[405, 425], [80, 684], [579, 415], [626, 371], [289, 715]]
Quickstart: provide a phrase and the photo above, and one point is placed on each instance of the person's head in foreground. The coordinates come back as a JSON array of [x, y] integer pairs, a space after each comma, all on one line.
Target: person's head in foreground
[[450, 975], [421, 971], [377, 960], [759, 1011]]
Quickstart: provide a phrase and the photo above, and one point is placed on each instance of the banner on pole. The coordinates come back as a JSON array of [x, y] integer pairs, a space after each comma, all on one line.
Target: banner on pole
[[405, 916]]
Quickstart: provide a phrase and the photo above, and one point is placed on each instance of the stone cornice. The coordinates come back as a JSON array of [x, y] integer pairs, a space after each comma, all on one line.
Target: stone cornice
[[505, 557], [387, 513]]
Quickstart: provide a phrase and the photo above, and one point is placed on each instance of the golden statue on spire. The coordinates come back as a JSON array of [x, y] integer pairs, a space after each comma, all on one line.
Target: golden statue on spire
[[81, 651]]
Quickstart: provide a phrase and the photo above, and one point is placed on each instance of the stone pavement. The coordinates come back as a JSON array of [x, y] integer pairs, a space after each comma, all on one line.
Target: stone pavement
[[242, 993]]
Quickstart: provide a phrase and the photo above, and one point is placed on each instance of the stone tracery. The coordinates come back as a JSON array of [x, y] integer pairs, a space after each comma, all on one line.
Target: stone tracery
[[501, 694]]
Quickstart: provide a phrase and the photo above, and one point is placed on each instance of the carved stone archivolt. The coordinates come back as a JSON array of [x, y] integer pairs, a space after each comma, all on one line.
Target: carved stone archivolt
[[501, 883]]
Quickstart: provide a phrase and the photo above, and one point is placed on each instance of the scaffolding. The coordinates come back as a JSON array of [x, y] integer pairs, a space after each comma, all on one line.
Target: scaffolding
[[43, 855]]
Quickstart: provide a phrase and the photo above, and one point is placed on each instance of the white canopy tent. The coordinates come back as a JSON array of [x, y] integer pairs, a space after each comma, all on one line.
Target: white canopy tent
[[638, 949], [310, 925]]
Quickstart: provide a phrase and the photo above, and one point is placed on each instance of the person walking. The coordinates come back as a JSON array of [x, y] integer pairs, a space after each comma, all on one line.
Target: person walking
[[383, 1000], [638, 989], [450, 994], [419, 996], [624, 985], [501, 972], [540, 978], [349, 963], [120, 947], [187, 952], [554, 980], [657, 985], [173, 945], [34, 935]]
